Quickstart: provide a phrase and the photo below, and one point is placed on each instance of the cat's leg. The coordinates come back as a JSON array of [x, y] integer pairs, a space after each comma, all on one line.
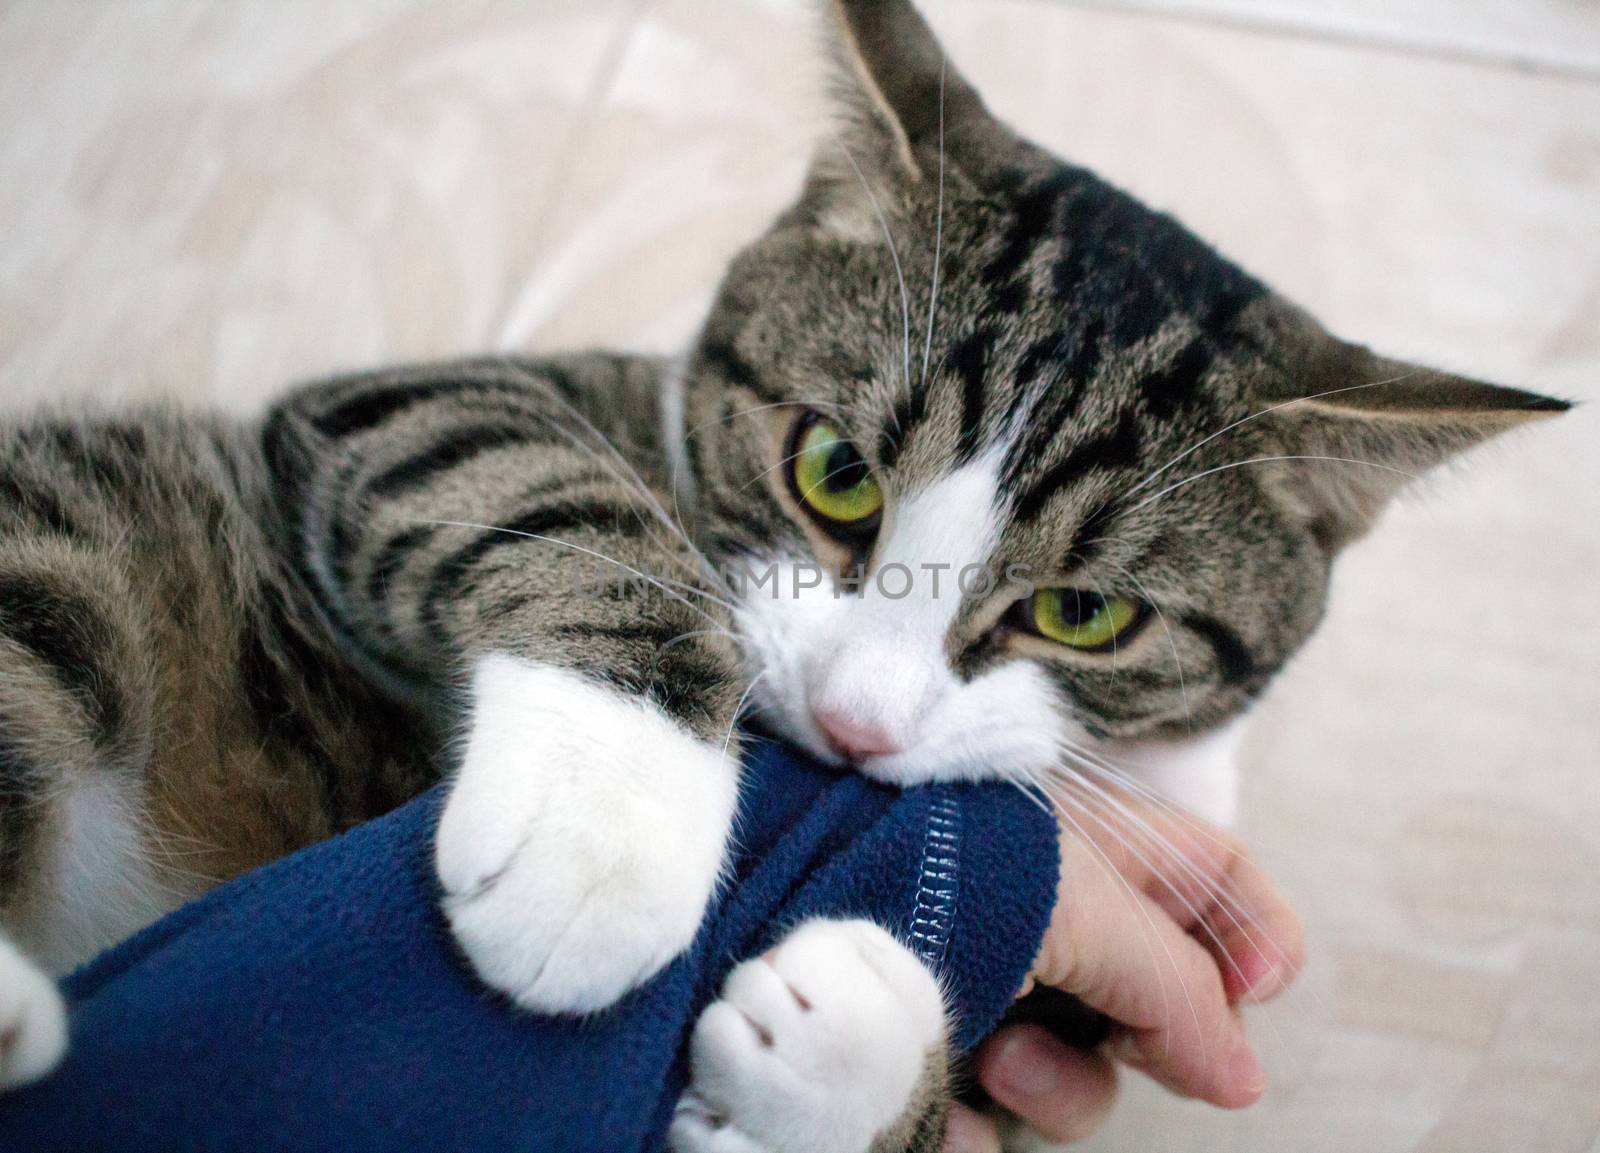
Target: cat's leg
[[33, 1020], [833, 1042], [73, 705], [583, 836], [475, 529]]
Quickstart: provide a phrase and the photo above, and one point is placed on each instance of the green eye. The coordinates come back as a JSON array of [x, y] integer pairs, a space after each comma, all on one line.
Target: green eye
[[831, 478], [1080, 619]]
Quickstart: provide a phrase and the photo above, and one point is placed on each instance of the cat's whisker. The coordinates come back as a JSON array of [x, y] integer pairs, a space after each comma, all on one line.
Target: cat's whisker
[[1055, 808], [1218, 891], [693, 634], [1101, 593], [1198, 445], [769, 470], [666, 584], [789, 459], [738, 710], [1066, 780], [1172, 644], [1201, 922], [1133, 897], [1265, 460], [632, 480], [729, 418], [1083, 761], [938, 229], [894, 253]]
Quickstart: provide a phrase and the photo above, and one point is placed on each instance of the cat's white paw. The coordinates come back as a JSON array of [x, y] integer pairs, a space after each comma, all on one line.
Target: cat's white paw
[[33, 1020], [817, 1047], [582, 839]]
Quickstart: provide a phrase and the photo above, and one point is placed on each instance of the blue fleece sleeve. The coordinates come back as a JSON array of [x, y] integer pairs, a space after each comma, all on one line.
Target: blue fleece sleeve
[[318, 1003]]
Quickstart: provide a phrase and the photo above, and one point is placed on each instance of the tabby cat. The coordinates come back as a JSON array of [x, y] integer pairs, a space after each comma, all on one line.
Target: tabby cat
[[954, 356]]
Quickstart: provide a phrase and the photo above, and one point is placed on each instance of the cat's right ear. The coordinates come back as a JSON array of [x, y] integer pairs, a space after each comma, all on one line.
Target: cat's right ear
[[1354, 426], [901, 109]]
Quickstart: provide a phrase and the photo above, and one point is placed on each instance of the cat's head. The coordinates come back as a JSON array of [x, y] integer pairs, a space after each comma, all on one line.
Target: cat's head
[[1093, 473]]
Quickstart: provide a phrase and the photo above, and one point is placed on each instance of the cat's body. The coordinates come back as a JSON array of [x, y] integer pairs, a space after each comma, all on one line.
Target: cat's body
[[170, 655], [954, 356]]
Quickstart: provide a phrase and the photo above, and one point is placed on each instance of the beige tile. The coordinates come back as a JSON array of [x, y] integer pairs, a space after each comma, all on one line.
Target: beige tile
[[1423, 780], [701, 139], [211, 201], [1559, 35]]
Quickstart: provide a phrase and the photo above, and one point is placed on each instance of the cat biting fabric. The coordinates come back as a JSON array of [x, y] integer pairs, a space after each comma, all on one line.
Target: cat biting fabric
[[558, 584]]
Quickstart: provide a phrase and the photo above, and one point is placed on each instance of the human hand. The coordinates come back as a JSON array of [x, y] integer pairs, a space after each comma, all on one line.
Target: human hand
[[1165, 925]]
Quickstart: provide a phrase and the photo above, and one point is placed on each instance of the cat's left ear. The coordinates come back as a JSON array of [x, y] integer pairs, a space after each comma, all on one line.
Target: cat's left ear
[[1363, 425], [900, 104]]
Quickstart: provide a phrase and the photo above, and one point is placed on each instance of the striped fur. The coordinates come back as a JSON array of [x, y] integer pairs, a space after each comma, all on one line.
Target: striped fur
[[222, 642]]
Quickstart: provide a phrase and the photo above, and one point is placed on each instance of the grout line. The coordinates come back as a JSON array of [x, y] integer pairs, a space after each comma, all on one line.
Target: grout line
[[584, 114], [1399, 44]]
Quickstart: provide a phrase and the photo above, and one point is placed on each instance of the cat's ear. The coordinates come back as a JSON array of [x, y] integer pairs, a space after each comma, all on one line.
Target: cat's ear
[[1362, 425], [899, 106]]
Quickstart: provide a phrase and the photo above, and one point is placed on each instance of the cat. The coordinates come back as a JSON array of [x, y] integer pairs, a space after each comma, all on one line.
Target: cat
[[559, 583]]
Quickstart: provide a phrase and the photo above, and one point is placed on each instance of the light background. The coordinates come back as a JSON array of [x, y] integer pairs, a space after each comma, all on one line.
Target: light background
[[207, 201]]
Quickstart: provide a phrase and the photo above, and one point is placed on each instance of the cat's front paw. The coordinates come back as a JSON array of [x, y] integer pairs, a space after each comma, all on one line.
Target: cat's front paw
[[582, 839], [829, 1043], [33, 1021]]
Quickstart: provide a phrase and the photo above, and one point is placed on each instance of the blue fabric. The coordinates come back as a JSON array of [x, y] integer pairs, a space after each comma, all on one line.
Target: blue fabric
[[318, 1003]]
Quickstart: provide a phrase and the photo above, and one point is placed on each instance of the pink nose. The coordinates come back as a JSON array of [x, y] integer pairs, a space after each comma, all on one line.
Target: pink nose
[[853, 739]]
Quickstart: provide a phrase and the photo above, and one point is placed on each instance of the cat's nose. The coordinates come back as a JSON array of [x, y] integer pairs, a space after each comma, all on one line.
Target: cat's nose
[[853, 739]]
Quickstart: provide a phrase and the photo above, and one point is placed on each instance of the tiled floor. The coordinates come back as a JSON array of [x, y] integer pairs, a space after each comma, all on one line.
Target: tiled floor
[[208, 201]]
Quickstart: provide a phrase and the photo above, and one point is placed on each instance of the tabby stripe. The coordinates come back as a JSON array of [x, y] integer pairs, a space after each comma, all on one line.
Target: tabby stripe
[[620, 520], [721, 356], [557, 378], [1035, 219], [1040, 356], [909, 411], [1073, 359], [458, 446], [35, 503], [682, 681], [348, 529], [970, 361], [1118, 448], [1092, 533], [1176, 385], [1080, 351], [19, 814], [68, 634], [1224, 310], [103, 466], [282, 671], [1233, 656], [644, 631], [368, 410], [392, 558], [504, 607]]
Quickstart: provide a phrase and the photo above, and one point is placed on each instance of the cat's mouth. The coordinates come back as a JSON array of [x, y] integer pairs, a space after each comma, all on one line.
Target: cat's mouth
[[937, 755]]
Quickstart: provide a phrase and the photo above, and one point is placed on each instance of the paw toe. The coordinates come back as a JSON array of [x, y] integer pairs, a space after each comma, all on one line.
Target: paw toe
[[33, 1022], [818, 1045]]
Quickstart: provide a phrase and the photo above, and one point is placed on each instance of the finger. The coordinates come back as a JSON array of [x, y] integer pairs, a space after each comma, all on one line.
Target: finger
[[1114, 948], [969, 1132], [1203, 878], [1257, 938], [1175, 859], [1064, 1093]]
